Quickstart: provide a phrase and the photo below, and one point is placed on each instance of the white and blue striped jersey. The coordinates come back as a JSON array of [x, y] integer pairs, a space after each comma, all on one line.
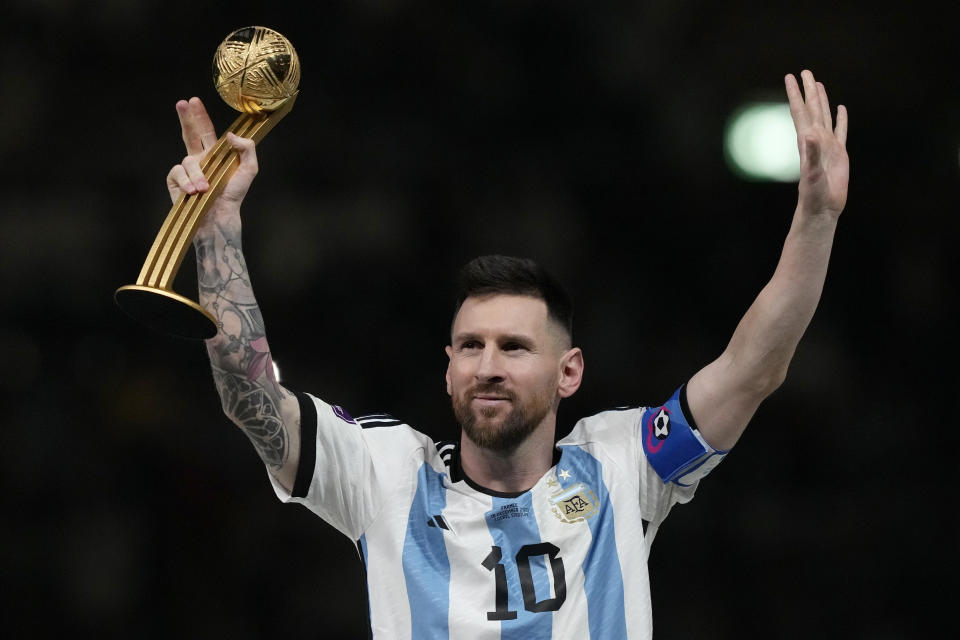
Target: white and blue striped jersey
[[446, 558]]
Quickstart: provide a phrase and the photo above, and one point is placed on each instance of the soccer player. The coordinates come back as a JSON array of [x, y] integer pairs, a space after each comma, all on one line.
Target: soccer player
[[506, 532]]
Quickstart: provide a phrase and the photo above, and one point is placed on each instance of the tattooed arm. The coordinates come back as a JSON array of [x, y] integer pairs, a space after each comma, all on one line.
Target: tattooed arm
[[242, 366]]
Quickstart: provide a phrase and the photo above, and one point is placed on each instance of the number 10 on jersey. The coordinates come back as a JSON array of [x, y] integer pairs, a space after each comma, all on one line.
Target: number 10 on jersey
[[527, 587]]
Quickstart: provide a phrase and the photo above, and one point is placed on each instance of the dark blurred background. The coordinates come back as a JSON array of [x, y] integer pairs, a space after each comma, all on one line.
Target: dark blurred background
[[585, 135]]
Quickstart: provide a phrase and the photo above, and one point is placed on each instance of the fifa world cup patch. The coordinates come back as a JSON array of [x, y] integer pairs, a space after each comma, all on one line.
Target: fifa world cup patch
[[576, 503], [341, 413]]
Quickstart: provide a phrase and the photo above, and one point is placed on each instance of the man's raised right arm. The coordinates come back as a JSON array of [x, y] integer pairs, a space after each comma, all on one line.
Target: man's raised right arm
[[243, 371]]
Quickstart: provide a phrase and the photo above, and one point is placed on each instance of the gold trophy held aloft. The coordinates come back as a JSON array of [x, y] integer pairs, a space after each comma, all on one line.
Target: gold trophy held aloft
[[257, 72]]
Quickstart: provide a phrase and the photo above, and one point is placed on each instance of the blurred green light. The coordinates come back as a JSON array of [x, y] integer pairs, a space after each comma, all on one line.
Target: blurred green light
[[760, 142]]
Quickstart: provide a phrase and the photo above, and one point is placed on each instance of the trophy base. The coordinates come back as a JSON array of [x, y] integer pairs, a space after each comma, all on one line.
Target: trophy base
[[166, 311]]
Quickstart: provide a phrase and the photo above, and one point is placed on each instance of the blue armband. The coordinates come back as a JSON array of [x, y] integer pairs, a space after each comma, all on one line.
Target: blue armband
[[673, 444]]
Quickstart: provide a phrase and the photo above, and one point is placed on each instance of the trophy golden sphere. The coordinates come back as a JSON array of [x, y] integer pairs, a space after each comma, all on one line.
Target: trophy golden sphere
[[256, 69]]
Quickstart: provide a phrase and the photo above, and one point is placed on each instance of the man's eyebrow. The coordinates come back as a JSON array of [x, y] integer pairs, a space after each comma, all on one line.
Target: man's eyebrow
[[510, 337]]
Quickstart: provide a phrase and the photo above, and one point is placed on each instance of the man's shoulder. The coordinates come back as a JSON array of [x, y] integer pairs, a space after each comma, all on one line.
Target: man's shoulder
[[383, 428], [609, 423], [392, 431]]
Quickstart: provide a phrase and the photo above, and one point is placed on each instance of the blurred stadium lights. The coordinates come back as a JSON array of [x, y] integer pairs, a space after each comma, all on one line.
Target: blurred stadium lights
[[760, 142]]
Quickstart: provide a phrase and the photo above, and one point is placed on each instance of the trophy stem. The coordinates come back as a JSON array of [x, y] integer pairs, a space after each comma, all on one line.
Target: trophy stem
[[150, 299]]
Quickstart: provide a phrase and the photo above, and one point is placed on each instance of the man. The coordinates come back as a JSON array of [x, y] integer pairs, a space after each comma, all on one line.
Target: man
[[507, 532]]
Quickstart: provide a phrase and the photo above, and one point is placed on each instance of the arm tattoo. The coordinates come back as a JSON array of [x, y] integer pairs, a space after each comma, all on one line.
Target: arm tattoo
[[254, 410], [239, 354]]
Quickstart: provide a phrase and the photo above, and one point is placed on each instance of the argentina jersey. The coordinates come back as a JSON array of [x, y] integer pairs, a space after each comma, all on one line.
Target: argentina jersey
[[446, 558]]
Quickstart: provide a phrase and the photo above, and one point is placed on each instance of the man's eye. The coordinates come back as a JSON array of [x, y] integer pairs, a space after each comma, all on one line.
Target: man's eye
[[470, 344], [512, 346]]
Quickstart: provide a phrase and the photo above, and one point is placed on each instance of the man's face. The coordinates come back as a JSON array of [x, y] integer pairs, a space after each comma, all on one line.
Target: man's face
[[505, 368]]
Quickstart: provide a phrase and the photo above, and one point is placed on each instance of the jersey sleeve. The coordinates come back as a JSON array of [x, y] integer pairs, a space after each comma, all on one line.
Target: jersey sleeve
[[344, 468], [673, 457], [656, 449]]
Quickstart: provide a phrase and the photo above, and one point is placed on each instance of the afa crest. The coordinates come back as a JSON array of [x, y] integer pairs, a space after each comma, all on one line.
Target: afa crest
[[574, 504]]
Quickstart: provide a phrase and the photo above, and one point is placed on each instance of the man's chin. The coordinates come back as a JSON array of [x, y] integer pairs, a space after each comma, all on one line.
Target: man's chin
[[487, 426], [491, 415], [497, 434]]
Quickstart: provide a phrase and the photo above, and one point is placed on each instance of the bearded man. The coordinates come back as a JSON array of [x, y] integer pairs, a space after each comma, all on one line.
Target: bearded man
[[507, 532]]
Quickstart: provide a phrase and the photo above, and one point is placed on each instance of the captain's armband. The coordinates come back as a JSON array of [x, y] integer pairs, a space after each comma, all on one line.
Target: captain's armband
[[673, 444]]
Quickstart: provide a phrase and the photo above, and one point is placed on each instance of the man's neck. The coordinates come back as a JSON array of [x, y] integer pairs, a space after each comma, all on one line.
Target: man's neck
[[513, 471]]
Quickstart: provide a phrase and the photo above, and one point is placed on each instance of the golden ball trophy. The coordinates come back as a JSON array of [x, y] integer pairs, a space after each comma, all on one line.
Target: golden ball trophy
[[257, 72]]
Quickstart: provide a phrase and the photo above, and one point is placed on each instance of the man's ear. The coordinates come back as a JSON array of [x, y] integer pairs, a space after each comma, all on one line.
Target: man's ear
[[449, 357], [571, 372]]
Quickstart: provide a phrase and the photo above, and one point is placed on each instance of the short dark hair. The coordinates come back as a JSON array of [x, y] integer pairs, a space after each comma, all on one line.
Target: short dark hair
[[496, 274]]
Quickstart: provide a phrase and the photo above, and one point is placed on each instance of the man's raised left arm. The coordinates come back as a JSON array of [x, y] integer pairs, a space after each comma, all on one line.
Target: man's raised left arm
[[724, 395]]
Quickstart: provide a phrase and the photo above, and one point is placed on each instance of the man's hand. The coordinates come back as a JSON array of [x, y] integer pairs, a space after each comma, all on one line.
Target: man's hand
[[824, 166], [199, 137]]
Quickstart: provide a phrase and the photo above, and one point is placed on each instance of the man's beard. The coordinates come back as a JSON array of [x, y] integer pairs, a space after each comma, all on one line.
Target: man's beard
[[515, 427]]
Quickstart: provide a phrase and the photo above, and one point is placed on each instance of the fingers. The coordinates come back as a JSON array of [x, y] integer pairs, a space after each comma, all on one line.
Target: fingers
[[177, 182], [812, 107], [195, 175], [797, 109], [236, 189], [825, 116], [196, 126], [186, 177], [812, 96], [246, 148], [841, 131]]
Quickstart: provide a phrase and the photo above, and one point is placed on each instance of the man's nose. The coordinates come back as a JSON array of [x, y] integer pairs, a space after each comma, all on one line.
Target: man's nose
[[490, 368]]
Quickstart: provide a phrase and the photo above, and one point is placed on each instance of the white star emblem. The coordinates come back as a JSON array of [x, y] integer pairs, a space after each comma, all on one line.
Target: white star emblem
[[564, 474], [661, 425]]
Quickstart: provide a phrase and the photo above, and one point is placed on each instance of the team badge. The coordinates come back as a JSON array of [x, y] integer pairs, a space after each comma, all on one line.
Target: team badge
[[574, 504]]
